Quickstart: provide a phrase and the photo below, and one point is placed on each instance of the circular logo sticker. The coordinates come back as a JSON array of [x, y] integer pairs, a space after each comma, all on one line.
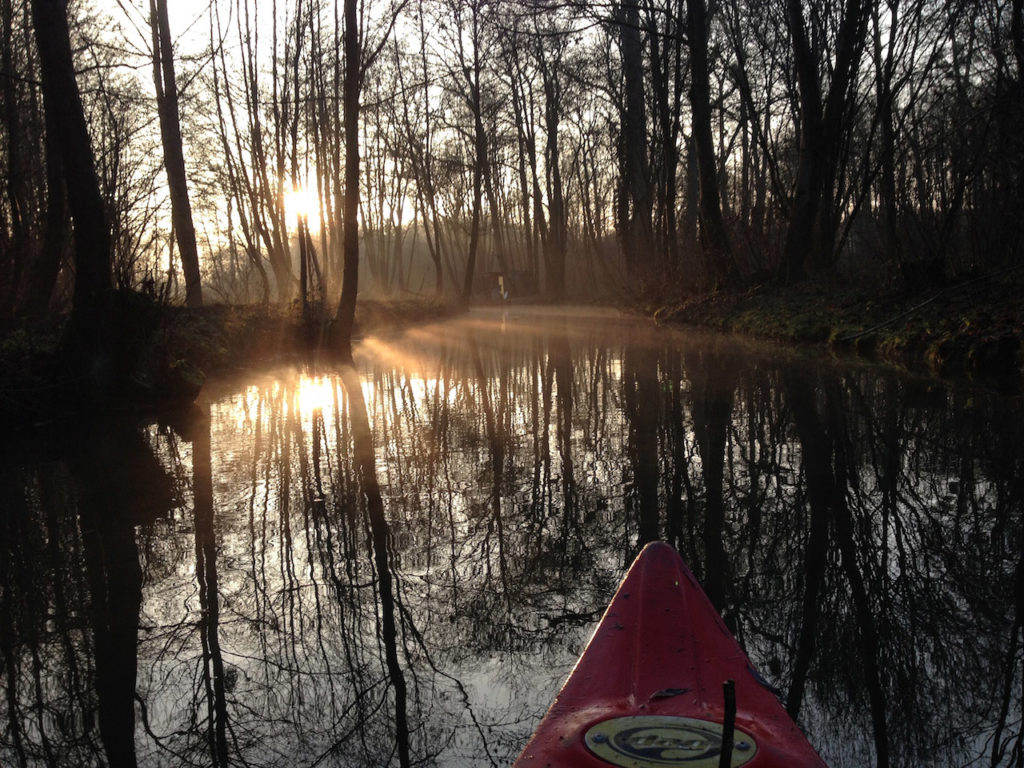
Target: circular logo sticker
[[651, 741]]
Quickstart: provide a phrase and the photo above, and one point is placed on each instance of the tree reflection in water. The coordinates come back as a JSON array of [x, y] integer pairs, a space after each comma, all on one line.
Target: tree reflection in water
[[398, 565]]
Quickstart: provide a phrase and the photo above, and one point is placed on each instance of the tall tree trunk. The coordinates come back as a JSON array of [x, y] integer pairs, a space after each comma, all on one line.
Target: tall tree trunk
[[558, 241], [556, 246], [691, 197], [714, 238], [638, 236], [666, 73], [174, 156], [344, 319], [480, 147], [539, 233], [517, 92], [811, 225], [60, 92], [430, 215], [472, 75]]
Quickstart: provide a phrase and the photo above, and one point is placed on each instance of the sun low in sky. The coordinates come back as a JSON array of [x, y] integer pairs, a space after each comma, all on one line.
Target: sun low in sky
[[302, 202]]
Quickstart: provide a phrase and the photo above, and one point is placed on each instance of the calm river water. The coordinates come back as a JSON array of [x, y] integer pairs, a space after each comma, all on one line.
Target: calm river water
[[399, 565]]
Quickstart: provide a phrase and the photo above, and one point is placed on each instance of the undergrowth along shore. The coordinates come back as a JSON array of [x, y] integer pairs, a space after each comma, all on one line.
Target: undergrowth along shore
[[972, 329], [163, 354]]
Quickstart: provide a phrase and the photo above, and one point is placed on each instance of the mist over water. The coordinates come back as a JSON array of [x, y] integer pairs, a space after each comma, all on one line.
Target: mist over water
[[400, 564]]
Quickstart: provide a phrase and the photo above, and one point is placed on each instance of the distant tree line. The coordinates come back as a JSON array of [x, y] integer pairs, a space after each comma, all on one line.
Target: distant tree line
[[653, 144]]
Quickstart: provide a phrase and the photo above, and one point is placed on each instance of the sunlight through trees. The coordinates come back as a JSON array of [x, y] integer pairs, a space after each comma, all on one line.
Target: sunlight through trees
[[574, 149]]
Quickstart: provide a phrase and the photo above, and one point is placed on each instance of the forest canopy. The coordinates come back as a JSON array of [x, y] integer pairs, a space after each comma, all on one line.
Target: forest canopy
[[566, 147]]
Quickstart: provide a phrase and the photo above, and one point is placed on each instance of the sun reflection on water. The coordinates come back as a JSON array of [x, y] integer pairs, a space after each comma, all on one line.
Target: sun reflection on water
[[315, 393]]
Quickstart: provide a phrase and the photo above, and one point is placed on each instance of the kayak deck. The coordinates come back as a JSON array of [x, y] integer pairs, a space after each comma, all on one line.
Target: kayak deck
[[648, 689]]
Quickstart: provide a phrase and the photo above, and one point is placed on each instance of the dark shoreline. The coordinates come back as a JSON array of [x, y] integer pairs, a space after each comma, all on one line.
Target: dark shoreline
[[172, 350], [973, 331]]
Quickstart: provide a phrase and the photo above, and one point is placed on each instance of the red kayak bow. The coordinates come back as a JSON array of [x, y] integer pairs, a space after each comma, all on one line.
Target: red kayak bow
[[648, 690]]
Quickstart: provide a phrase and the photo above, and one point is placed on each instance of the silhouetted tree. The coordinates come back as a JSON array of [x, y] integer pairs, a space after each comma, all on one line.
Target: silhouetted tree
[[174, 156], [60, 91]]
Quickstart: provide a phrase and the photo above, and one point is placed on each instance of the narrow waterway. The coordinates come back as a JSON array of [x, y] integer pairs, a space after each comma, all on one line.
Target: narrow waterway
[[399, 565]]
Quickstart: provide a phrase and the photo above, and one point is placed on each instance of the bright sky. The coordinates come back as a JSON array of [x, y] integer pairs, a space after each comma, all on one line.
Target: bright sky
[[186, 14], [187, 17]]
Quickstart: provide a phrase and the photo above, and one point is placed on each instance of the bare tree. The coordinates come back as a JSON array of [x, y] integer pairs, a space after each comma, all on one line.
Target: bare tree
[[174, 156], [824, 118], [60, 91], [345, 317], [358, 56], [635, 200], [717, 251], [550, 64]]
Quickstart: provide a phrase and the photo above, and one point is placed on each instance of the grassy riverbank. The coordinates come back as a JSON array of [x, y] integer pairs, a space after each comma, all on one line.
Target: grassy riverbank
[[974, 328]]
